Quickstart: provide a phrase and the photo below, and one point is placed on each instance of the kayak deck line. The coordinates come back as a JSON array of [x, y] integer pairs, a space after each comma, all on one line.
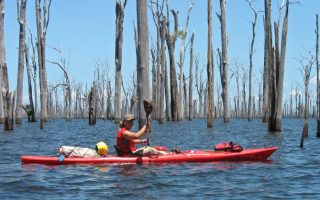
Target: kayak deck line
[[257, 154]]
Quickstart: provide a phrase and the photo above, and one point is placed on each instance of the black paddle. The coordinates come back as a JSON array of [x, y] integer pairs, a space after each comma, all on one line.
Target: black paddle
[[148, 109]]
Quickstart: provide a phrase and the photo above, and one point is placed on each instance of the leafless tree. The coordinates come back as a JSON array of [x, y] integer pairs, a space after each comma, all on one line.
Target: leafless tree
[[318, 81], [157, 14], [92, 101], [210, 68], [142, 58], [224, 59], [191, 78], [199, 86], [277, 71], [30, 111], [62, 66], [171, 39], [306, 67], [164, 99], [251, 52], [7, 98], [235, 72], [118, 58], [21, 16], [42, 20], [4, 84], [183, 35]]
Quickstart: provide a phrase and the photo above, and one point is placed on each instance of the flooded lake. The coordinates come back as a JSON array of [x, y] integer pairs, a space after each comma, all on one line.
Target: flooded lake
[[290, 173]]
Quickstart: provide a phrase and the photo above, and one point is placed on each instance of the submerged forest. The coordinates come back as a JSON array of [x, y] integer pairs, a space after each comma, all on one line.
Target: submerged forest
[[168, 72]]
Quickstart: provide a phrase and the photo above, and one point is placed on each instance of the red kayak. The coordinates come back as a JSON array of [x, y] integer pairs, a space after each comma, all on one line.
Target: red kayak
[[258, 154]]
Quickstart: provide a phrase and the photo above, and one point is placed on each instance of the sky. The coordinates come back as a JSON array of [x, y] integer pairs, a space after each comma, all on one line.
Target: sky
[[86, 34]]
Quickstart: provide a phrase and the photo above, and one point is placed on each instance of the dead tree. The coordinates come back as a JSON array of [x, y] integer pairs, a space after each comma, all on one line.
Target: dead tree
[[42, 17], [218, 107], [33, 67], [118, 58], [21, 12], [318, 81], [210, 68], [157, 15], [224, 57], [236, 74], [109, 102], [163, 97], [183, 35], [7, 98], [258, 80], [199, 86], [31, 110], [267, 53], [62, 66], [154, 74], [191, 78], [244, 78], [277, 72], [171, 40], [4, 84], [142, 59], [92, 101], [8, 120], [251, 51], [306, 72]]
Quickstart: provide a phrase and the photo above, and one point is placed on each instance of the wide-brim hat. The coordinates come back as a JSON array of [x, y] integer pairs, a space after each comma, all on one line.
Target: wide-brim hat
[[128, 117]]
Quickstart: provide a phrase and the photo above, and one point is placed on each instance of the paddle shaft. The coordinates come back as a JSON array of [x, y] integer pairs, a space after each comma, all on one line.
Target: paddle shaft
[[148, 131], [148, 110]]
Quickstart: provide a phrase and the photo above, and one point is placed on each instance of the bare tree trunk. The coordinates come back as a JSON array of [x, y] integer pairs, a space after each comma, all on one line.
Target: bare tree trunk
[[236, 75], [1, 97], [267, 62], [199, 87], [109, 96], [41, 43], [68, 86], [276, 107], [281, 67], [118, 59], [162, 52], [32, 113], [10, 100], [154, 85], [265, 104], [21, 6], [167, 93], [191, 78], [4, 84], [34, 77], [210, 68], [251, 59], [306, 75], [171, 39], [181, 65], [92, 105], [224, 79], [318, 81], [142, 59]]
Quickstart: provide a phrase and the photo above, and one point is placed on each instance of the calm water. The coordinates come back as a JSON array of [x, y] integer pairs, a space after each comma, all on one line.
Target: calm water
[[292, 173]]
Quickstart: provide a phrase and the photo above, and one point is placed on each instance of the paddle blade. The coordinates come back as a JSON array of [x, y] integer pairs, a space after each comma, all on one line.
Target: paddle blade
[[147, 107]]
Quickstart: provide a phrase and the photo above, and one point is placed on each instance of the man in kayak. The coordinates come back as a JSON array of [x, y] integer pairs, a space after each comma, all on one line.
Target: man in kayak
[[126, 139]]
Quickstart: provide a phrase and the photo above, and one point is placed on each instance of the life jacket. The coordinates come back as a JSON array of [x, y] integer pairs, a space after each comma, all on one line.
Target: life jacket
[[125, 146], [228, 146]]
